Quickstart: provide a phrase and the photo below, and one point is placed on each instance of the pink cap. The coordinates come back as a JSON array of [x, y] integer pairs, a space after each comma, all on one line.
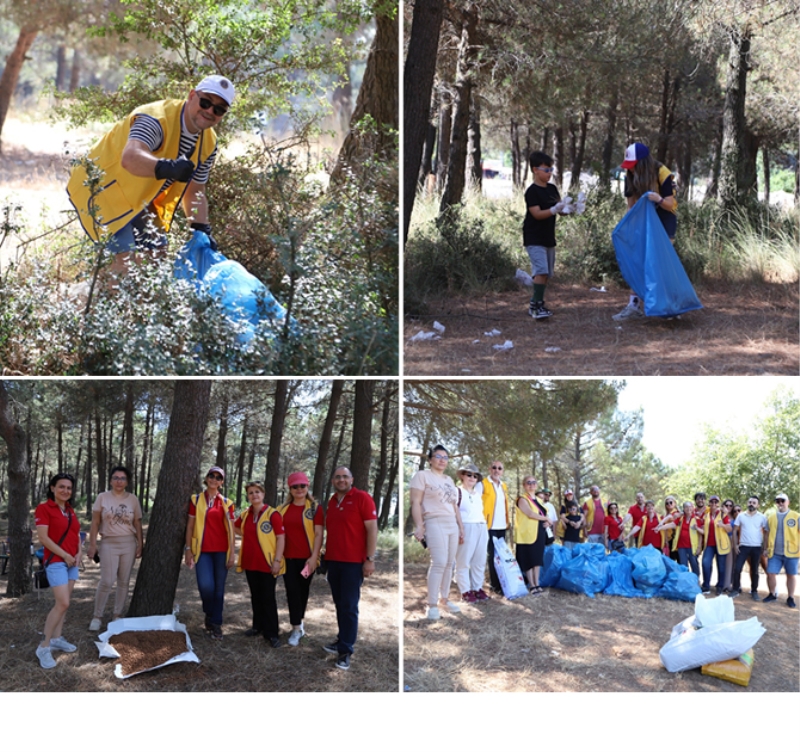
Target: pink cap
[[296, 478]]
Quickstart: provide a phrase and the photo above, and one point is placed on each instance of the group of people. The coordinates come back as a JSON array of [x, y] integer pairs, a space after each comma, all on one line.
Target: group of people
[[457, 523], [287, 540]]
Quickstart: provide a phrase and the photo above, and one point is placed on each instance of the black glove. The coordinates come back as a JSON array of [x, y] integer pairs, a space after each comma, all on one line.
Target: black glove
[[180, 169], [207, 230]]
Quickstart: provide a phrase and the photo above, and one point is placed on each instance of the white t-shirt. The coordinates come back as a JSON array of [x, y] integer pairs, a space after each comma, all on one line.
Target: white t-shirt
[[499, 517], [750, 527], [439, 494], [472, 505]]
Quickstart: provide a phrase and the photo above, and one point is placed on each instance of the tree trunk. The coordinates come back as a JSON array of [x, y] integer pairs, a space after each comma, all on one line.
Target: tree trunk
[[765, 157], [378, 98], [445, 130], [75, 73], [61, 68], [240, 463], [325, 440], [383, 519], [89, 478], [516, 156], [732, 163], [713, 181], [462, 95], [426, 168], [275, 437], [661, 145], [157, 580], [383, 454], [579, 153], [608, 143], [474, 158], [147, 443], [335, 463], [19, 530], [10, 76], [129, 442], [361, 445], [418, 75], [558, 156], [222, 436]]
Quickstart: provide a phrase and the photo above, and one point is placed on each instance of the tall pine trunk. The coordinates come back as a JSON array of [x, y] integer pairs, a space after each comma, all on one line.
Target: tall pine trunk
[[361, 445], [320, 475]]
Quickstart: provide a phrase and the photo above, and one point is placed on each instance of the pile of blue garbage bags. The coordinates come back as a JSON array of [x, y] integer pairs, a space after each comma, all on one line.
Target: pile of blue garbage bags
[[635, 573]]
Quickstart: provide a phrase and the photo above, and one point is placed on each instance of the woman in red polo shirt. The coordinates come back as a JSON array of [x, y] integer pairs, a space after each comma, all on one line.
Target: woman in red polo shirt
[[649, 531], [303, 523], [209, 547], [612, 529], [58, 529], [261, 558]]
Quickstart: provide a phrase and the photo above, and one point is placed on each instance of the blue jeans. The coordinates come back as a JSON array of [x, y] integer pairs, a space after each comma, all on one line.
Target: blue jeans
[[688, 559], [211, 575], [142, 232], [708, 560], [345, 579]]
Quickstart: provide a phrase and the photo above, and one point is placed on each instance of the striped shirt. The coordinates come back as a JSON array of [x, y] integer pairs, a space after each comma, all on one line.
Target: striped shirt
[[148, 130]]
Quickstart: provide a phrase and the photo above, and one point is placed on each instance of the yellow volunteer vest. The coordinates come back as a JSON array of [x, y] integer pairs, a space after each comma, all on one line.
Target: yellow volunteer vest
[[201, 507], [266, 538], [121, 195], [589, 513], [640, 537], [308, 521], [489, 498], [722, 537], [526, 530], [663, 174], [791, 536], [694, 537]]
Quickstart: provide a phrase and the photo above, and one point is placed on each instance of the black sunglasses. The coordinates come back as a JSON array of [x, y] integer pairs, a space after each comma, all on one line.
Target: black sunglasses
[[206, 104], [470, 475], [299, 485], [214, 476]]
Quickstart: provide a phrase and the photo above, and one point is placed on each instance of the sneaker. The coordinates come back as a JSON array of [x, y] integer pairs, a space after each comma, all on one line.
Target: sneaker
[[770, 598], [755, 596], [94, 625], [45, 657], [630, 311], [274, 642], [482, 595], [343, 661], [333, 648], [538, 311], [59, 643], [252, 632], [468, 597], [433, 613], [790, 603], [216, 632], [735, 593], [294, 637], [452, 607]]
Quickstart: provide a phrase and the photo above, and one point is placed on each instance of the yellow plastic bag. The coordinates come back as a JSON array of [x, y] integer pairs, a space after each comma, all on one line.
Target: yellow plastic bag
[[736, 670]]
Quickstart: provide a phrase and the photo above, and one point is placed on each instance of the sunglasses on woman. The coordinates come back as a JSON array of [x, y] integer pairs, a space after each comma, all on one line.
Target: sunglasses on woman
[[214, 476], [470, 475], [298, 485], [206, 104]]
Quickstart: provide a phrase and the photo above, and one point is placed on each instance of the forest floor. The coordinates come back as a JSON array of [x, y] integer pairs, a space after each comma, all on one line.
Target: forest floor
[[563, 642], [236, 664], [742, 330]]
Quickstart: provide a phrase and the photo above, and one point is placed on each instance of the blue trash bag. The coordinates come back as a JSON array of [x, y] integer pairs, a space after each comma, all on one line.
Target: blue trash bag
[[620, 571], [590, 550], [195, 259], [554, 559], [585, 575], [649, 570], [649, 263], [680, 586]]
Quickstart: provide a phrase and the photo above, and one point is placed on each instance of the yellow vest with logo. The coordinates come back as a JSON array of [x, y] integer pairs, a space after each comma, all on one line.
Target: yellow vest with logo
[[266, 538], [526, 530], [694, 537], [640, 536], [201, 507], [791, 536], [722, 537], [308, 521], [489, 497], [121, 195]]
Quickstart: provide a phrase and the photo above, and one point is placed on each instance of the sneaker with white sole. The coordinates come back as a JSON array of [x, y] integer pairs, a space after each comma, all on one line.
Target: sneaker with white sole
[[630, 311], [59, 643], [45, 657], [295, 636], [94, 625], [452, 607], [538, 311], [333, 648], [433, 613], [343, 661]]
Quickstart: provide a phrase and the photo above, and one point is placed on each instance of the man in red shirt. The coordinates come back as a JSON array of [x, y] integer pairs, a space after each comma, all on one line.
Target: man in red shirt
[[595, 515], [634, 516], [352, 536]]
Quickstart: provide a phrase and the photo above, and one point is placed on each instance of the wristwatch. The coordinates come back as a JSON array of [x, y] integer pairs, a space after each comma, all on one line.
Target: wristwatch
[[370, 558]]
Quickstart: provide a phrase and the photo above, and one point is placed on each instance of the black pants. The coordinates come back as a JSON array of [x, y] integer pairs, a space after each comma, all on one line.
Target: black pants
[[494, 580], [751, 554], [345, 579], [297, 589], [262, 598]]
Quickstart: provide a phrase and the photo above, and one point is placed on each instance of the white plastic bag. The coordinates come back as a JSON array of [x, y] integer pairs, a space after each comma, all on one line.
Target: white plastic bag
[[508, 571], [722, 642], [713, 611]]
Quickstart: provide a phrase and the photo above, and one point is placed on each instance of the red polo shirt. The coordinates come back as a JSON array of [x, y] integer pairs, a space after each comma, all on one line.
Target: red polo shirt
[[296, 541], [48, 514], [651, 538], [215, 533], [344, 522], [252, 556]]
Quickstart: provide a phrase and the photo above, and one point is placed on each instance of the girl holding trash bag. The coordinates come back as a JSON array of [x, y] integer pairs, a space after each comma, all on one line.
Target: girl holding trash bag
[[686, 539], [303, 525], [261, 559], [530, 534], [647, 177], [210, 548], [58, 529], [471, 556], [437, 521], [117, 517]]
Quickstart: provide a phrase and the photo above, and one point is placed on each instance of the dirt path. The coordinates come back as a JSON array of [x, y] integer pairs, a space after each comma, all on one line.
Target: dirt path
[[747, 330]]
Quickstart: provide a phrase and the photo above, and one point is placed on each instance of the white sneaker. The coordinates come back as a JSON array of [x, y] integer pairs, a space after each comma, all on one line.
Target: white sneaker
[[94, 625], [630, 311], [294, 637], [59, 643], [45, 657], [452, 607], [433, 613]]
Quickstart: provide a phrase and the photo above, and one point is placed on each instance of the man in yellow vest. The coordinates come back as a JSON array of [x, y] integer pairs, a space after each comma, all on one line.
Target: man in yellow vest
[[157, 157], [783, 548], [495, 512]]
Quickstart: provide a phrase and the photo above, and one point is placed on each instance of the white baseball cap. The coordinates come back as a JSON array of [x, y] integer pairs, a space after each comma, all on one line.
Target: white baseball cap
[[218, 85]]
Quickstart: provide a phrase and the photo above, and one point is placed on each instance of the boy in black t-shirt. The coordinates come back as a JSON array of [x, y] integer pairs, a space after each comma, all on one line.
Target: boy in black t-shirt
[[542, 202]]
